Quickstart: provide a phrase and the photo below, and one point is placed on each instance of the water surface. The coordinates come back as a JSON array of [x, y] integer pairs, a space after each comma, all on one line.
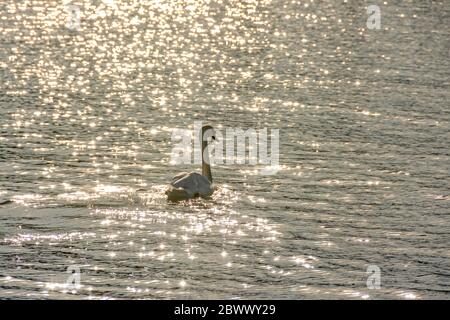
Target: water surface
[[85, 140]]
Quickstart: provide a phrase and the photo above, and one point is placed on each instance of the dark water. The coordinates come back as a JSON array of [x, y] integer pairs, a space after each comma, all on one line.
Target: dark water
[[85, 124]]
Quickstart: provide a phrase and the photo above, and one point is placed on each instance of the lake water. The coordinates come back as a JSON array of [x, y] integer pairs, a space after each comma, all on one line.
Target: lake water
[[87, 109]]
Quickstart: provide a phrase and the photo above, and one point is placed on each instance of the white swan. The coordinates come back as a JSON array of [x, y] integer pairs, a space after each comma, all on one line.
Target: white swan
[[190, 185]]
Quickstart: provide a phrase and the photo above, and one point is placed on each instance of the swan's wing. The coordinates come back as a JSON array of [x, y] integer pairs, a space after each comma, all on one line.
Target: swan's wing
[[178, 177], [187, 182], [194, 184], [177, 194], [182, 187]]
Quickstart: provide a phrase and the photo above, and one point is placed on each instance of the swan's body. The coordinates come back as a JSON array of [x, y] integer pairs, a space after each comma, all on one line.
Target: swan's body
[[191, 185]]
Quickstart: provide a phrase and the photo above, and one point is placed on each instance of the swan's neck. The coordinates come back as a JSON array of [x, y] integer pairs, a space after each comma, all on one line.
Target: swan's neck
[[206, 168]]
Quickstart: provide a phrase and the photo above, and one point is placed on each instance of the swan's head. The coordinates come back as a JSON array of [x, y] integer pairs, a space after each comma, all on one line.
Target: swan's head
[[208, 132]]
